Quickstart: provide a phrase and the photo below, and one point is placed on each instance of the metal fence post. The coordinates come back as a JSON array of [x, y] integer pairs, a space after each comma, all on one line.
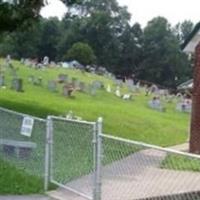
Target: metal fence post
[[98, 183], [94, 142], [47, 153]]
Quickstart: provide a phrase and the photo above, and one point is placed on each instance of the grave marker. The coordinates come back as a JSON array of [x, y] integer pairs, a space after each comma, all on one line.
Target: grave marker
[[67, 90], [52, 86], [82, 86], [17, 84], [62, 78], [2, 80]]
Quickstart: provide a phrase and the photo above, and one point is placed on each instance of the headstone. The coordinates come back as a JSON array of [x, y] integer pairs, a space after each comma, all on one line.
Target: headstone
[[38, 81], [127, 97], [74, 82], [46, 61], [98, 84], [92, 90], [184, 106], [67, 90], [62, 78], [17, 84], [82, 86], [130, 85], [2, 80], [117, 92], [119, 82], [8, 60], [52, 86], [154, 89], [108, 89], [13, 71], [155, 104]]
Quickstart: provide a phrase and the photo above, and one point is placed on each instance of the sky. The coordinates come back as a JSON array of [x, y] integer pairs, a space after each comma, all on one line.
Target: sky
[[144, 10]]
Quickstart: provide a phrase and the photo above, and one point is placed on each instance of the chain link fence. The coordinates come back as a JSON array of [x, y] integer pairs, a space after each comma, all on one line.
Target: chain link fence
[[24, 152], [72, 155], [78, 157], [133, 170]]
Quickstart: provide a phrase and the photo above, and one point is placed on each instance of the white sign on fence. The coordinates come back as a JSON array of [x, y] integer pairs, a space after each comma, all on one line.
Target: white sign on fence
[[27, 126]]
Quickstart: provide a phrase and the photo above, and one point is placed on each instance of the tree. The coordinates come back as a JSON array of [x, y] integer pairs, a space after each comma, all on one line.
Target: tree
[[183, 30], [102, 22], [81, 52], [49, 36], [131, 50], [15, 13], [163, 63]]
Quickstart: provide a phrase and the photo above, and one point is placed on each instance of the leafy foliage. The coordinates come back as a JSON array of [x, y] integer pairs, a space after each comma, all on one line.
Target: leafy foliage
[[81, 52], [152, 54]]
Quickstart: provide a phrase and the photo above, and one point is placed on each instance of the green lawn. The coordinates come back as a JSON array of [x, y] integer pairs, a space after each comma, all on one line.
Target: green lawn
[[132, 120], [181, 163], [16, 181]]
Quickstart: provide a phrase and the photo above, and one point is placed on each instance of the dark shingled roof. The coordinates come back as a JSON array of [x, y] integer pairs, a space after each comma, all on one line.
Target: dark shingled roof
[[192, 34]]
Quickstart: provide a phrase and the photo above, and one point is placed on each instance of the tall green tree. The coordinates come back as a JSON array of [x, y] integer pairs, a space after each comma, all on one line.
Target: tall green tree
[[49, 37], [183, 30], [81, 52], [164, 63]]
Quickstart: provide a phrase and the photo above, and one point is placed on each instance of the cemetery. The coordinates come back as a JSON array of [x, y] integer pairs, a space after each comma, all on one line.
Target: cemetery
[[76, 95], [99, 102], [94, 95]]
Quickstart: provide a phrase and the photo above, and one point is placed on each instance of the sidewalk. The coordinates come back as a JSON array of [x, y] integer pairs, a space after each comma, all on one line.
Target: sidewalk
[[181, 147], [26, 197]]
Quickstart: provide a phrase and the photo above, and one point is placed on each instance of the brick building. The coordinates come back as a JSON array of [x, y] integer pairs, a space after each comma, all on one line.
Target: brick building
[[192, 48]]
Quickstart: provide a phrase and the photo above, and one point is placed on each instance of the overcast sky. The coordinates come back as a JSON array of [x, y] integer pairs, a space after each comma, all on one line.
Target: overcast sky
[[144, 10]]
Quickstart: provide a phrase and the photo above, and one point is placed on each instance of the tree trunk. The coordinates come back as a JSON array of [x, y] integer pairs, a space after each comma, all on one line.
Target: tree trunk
[[195, 118]]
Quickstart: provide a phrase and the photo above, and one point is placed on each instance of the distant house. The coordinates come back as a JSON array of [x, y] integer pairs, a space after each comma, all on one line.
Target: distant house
[[188, 85], [192, 41]]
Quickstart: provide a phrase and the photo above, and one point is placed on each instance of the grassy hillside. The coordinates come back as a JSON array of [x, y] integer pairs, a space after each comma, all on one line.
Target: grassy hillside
[[128, 119]]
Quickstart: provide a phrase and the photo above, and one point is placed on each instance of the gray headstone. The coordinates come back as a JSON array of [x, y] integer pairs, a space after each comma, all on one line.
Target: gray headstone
[[67, 90], [52, 86], [38, 81], [17, 84], [62, 78], [98, 84], [74, 82], [2, 80], [82, 86], [92, 90], [130, 85]]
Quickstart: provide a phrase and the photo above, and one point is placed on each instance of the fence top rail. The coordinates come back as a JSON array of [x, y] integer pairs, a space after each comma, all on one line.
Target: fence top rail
[[167, 150], [71, 120], [21, 114]]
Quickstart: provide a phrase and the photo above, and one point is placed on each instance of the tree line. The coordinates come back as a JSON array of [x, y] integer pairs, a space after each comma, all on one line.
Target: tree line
[[99, 32]]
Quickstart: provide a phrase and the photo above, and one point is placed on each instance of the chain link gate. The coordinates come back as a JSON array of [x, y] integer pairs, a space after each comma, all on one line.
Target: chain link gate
[[72, 159]]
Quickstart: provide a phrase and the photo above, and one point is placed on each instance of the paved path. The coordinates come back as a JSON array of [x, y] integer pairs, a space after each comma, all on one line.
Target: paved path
[[181, 147], [28, 197], [138, 176]]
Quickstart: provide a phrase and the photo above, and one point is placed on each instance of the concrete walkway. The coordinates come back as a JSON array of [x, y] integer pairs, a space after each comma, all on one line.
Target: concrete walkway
[[137, 176], [28, 197], [181, 147]]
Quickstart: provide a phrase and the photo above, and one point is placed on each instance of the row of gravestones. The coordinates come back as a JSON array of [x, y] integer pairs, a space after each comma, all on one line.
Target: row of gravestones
[[16, 83], [68, 85]]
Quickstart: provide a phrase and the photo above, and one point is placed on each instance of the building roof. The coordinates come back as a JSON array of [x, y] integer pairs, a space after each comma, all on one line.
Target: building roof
[[186, 85], [192, 40]]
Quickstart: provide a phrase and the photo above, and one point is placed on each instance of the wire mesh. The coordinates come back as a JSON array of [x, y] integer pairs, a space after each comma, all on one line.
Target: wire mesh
[[132, 171], [72, 162], [25, 153]]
